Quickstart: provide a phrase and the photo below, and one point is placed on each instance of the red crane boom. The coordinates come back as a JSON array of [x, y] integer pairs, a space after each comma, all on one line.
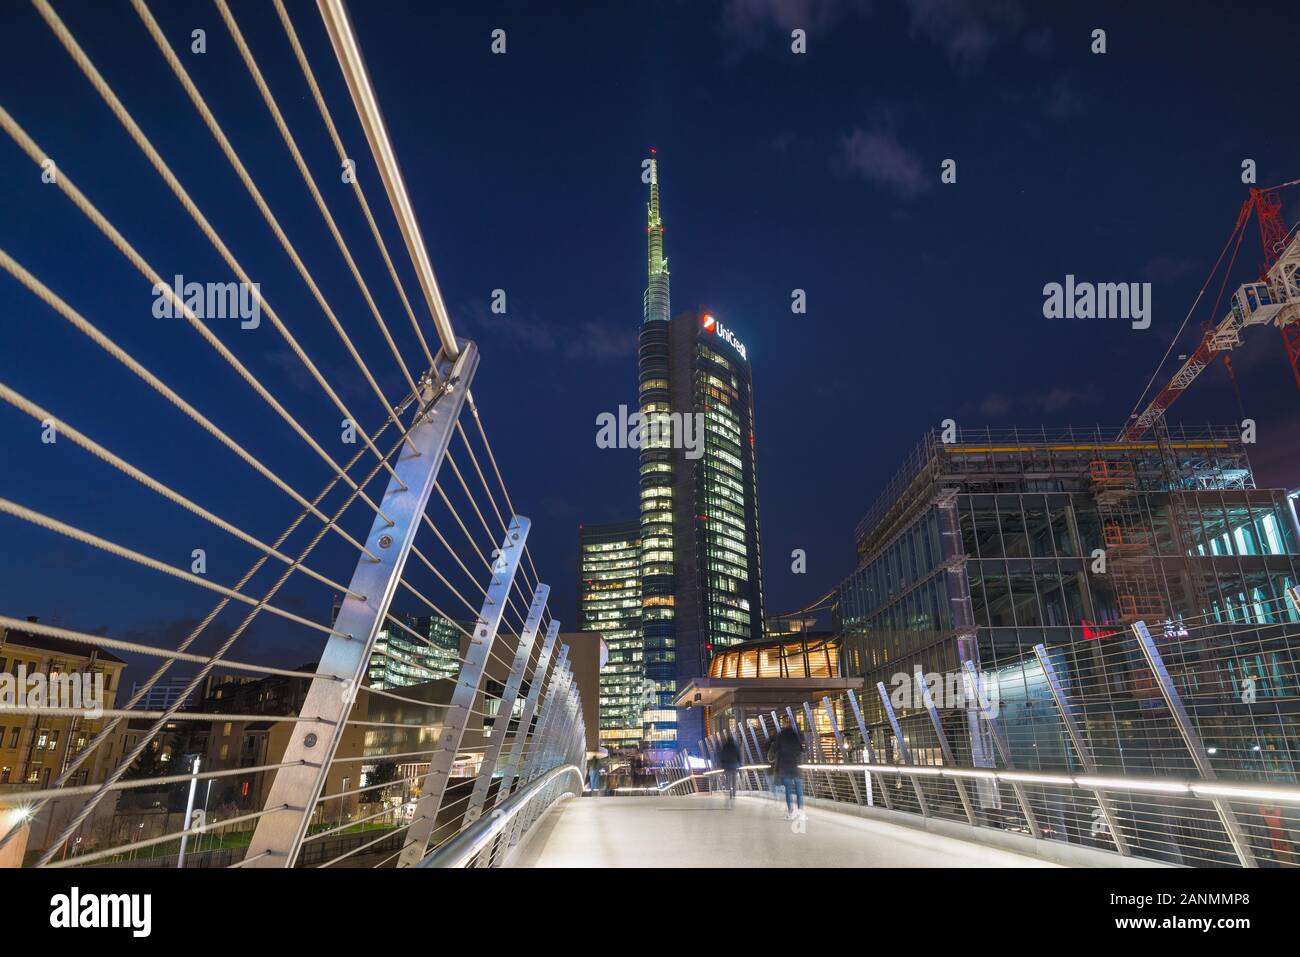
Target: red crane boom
[[1275, 298]]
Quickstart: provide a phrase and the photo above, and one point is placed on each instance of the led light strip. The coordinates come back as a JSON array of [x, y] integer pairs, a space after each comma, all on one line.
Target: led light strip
[[1088, 782]]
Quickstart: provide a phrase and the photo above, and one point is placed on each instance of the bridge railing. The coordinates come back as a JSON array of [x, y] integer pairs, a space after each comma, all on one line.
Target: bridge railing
[[356, 474], [1050, 765], [1162, 819]]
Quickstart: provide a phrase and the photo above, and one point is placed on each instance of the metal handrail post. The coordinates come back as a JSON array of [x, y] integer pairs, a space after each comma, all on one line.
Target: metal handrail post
[[1191, 738], [506, 705], [1066, 710], [839, 741], [928, 701], [293, 794], [456, 717], [903, 749], [1000, 742], [866, 744]]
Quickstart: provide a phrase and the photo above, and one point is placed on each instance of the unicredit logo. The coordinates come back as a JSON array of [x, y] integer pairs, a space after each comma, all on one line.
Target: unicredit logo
[[712, 325]]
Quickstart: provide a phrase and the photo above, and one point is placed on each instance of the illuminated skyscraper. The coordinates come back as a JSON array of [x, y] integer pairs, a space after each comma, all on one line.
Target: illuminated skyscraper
[[609, 602], [701, 568], [658, 469]]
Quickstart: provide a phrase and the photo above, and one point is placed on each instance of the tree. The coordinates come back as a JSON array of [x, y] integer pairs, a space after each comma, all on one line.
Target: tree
[[385, 773]]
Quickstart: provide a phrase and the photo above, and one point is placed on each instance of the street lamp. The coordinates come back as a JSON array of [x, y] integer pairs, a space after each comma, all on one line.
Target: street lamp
[[189, 811]]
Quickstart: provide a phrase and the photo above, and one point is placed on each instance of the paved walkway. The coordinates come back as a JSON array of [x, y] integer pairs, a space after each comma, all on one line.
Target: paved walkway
[[702, 832]]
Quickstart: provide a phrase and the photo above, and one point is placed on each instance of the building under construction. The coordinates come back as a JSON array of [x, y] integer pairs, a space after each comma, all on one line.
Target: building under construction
[[992, 543]]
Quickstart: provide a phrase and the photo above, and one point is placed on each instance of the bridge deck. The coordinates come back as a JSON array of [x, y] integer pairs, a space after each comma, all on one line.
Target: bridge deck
[[703, 832]]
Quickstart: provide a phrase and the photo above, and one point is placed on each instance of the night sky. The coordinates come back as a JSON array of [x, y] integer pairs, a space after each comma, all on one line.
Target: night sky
[[779, 171]]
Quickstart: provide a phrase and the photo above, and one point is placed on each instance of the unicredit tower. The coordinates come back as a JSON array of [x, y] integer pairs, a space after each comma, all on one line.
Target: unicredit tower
[[701, 564]]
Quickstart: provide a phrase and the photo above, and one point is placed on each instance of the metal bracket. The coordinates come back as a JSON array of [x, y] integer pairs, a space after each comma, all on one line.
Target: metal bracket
[[1000, 742], [928, 701], [539, 746], [526, 719], [1066, 710], [839, 742], [522, 735], [1195, 746], [815, 751], [866, 744], [759, 756], [292, 798], [456, 716], [903, 749], [755, 756], [506, 709]]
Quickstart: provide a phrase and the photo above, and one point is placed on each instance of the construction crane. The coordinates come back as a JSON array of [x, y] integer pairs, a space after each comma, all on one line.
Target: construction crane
[[1274, 299]]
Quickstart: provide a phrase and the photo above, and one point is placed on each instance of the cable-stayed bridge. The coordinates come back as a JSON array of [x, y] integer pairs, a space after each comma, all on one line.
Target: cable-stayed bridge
[[408, 508]]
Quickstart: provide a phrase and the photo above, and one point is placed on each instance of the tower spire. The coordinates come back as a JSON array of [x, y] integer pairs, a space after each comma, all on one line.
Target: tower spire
[[656, 293]]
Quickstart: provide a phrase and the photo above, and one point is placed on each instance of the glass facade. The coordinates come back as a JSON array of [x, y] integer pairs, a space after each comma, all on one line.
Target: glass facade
[[728, 539], [1021, 565], [609, 602], [658, 472], [426, 650], [700, 566]]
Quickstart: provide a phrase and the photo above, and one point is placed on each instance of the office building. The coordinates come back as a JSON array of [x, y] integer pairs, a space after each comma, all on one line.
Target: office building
[[423, 648], [701, 571], [984, 546], [609, 602]]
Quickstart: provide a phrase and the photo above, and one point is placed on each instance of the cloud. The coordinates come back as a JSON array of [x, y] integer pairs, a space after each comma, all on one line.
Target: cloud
[[997, 405], [264, 641], [967, 30], [754, 21], [994, 405], [592, 340], [343, 379], [602, 341], [878, 157], [1058, 398], [528, 334]]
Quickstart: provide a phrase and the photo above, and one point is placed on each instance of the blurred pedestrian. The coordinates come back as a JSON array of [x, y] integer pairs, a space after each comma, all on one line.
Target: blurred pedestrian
[[786, 754], [729, 761]]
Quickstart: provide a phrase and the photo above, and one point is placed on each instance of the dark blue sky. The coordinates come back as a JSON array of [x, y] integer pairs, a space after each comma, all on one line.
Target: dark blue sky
[[818, 172]]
